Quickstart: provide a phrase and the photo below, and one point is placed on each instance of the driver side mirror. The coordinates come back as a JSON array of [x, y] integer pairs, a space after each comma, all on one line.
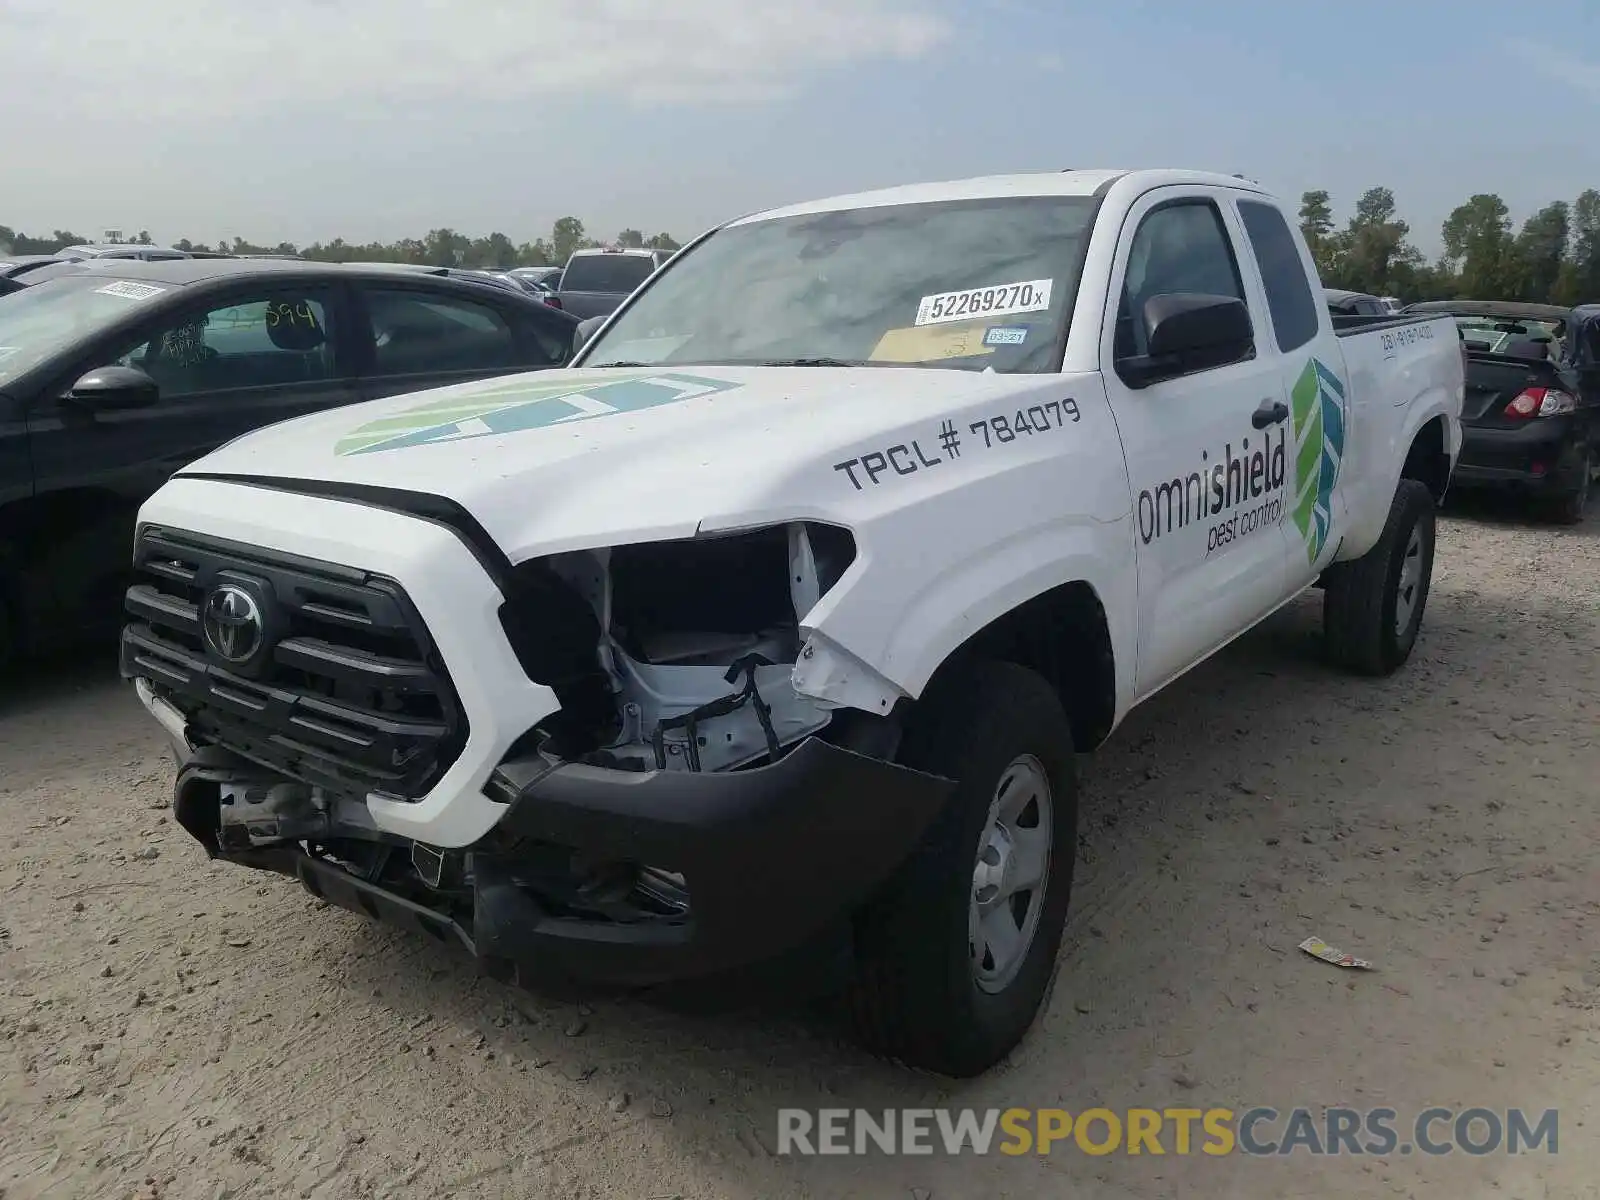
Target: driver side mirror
[[1189, 331], [586, 330], [109, 389]]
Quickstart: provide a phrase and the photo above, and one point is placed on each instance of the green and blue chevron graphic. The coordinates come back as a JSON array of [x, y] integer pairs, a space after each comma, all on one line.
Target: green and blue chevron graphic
[[1318, 410], [520, 404]]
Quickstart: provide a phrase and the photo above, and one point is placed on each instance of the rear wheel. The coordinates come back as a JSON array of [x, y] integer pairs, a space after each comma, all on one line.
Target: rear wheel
[[957, 955], [1568, 508], [1372, 607]]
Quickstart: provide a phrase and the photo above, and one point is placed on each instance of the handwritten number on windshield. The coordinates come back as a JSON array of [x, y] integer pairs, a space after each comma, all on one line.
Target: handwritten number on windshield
[[284, 313]]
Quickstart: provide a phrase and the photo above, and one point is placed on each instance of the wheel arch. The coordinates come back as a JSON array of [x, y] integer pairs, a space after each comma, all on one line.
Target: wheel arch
[[1063, 634], [1428, 458]]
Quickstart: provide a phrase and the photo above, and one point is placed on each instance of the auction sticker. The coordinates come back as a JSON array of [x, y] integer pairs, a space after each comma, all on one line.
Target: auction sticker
[[129, 290], [1005, 335], [998, 301]]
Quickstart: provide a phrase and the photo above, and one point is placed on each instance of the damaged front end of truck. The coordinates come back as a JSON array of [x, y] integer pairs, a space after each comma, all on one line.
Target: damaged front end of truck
[[711, 791]]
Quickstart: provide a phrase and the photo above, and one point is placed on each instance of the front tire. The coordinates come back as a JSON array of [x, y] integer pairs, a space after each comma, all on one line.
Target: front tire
[[956, 957], [1372, 607]]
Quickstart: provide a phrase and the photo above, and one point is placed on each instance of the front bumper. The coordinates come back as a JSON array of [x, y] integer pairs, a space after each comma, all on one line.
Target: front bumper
[[773, 859], [1542, 455], [456, 600]]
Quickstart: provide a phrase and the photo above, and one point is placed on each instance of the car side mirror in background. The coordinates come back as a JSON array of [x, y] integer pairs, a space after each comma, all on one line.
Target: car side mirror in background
[[107, 389], [1189, 331], [585, 331]]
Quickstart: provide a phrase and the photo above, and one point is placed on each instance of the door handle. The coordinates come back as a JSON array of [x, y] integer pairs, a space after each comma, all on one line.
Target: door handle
[[1270, 412]]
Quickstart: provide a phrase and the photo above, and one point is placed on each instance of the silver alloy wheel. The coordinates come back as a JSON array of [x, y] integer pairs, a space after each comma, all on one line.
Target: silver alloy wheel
[[1405, 601], [1012, 871]]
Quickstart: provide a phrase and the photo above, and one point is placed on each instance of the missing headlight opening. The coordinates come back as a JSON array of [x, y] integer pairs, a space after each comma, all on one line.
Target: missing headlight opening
[[677, 655]]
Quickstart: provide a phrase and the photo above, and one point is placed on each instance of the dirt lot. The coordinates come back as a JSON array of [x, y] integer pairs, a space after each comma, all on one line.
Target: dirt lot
[[170, 1028]]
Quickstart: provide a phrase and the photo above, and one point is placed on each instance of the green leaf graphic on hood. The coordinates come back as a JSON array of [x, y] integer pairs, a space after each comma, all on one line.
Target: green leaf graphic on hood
[[1318, 409], [523, 403]]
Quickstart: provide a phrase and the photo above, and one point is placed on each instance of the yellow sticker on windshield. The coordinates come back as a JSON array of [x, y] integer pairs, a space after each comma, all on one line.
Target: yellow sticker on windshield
[[929, 343]]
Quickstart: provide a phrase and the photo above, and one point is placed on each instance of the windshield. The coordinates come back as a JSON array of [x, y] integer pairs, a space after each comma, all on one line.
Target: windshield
[[1495, 335], [47, 317], [607, 272], [970, 284]]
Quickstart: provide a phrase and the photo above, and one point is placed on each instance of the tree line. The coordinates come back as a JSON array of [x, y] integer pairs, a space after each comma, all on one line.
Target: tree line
[[1553, 258], [440, 247]]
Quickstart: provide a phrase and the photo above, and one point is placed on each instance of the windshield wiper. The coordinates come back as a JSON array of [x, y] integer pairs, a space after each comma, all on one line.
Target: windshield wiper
[[814, 362], [622, 364]]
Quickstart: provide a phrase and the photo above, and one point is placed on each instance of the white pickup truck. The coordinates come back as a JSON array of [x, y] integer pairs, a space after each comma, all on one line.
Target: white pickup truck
[[760, 642]]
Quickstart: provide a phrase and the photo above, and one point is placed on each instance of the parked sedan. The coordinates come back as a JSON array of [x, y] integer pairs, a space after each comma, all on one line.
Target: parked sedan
[[1531, 416], [117, 373]]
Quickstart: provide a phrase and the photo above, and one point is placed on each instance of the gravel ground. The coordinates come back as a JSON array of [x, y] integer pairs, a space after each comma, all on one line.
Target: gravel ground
[[172, 1028]]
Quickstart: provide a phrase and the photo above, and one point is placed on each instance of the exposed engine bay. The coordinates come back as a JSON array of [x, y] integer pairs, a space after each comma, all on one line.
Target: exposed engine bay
[[666, 656], [677, 655]]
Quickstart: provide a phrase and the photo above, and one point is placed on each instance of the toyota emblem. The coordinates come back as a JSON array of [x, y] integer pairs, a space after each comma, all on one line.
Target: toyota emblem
[[232, 624]]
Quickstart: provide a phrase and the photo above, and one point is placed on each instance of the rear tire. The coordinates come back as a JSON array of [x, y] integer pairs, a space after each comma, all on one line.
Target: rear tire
[[1372, 607], [940, 984], [1568, 508]]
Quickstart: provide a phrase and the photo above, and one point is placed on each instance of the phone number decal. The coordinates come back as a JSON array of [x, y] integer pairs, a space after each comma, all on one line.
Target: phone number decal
[[1408, 336], [907, 458]]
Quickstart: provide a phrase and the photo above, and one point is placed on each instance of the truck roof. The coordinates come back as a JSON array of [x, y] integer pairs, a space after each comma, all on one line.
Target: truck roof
[[985, 187]]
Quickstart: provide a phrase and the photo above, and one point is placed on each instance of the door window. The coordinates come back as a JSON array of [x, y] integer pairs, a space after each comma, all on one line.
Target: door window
[[416, 332], [1180, 247], [256, 342]]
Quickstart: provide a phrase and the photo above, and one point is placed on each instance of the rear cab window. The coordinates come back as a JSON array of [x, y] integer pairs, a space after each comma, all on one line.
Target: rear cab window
[[607, 272], [1290, 301]]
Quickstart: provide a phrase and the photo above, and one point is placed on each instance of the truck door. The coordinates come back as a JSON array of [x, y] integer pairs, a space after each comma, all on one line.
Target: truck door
[[1311, 369], [1206, 449]]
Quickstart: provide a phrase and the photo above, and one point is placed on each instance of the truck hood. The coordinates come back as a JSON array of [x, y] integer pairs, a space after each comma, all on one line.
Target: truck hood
[[557, 460]]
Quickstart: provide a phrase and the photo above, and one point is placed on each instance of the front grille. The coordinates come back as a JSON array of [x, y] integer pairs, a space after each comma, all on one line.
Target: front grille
[[351, 696]]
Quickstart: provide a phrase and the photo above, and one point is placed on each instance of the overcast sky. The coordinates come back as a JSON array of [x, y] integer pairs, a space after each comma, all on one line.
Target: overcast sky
[[307, 119]]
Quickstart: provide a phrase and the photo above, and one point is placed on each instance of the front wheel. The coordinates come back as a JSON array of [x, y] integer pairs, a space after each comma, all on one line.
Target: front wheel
[[957, 955], [1372, 607]]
